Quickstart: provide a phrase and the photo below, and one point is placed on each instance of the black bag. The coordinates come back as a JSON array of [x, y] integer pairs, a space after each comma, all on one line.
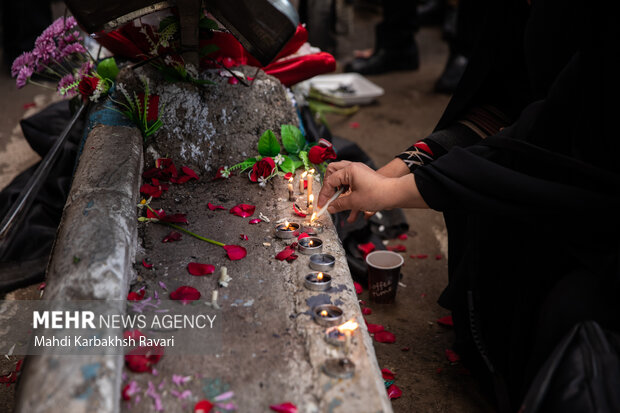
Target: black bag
[[582, 375]]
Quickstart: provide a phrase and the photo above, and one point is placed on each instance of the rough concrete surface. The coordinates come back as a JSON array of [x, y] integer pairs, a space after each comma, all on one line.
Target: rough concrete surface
[[91, 260]]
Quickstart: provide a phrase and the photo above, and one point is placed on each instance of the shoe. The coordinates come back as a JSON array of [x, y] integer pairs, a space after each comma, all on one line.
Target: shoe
[[452, 73], [383, 61]]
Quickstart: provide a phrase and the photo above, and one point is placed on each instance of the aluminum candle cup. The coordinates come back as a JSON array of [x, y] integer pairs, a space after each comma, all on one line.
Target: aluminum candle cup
[[322, 262], [327, 315], [310, 245], [335, 337], [317, 281], [340, 368], [286, 230], [312, 228]]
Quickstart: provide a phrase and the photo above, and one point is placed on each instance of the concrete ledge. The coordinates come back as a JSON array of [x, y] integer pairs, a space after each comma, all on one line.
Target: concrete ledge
[[92, 259]]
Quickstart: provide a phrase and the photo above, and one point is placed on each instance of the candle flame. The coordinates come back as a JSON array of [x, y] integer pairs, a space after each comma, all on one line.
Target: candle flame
[[348, 327], [304, 174], [313, 217], [324, 313], [311, 172], [311, 198], [290, 180], [319, 276], [311, 243]]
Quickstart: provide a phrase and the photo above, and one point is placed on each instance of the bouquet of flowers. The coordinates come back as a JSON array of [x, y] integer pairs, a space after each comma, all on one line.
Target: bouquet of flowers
[[60, 56]]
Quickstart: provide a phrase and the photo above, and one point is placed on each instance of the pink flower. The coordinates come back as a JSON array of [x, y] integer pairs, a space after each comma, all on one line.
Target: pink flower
[[23, 76], [25, 59]]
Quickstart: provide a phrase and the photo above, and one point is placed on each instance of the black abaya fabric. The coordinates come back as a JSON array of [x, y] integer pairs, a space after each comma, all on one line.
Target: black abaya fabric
[[532, 213]]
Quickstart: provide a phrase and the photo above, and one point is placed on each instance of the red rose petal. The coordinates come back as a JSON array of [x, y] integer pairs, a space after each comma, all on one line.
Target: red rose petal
[[152, 173], [438, 256], [446, 321], [218, 174], [233, 80], [286, 407], [288, 176], [185, 294], [181, 180], [173, 236], [303, 235], [403, 237], [189, 172], [142, 359], [385, 337], [452, 356], [150, 190], [366, 248], [394, 392], [243, 237], [405, 349], [155, 214], [146, 265], [195, 268], [243, 210], [235, 252], [358, 288], [374, 328], [291, 258], [174, 218], [42, 285], [387, 374], [255, 221], [214, 207], [203, 406], [397, 248], [285, 253], [125, 392], [421, 256], [135, 296], [298, 211], [354, 125], [366, 311]]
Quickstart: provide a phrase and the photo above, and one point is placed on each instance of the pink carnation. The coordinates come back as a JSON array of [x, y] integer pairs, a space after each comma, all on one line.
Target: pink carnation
[[25, 59], [23, 76]]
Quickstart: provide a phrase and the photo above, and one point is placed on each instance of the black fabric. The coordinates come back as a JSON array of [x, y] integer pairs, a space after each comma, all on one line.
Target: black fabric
[[529, 208], [33, 240]]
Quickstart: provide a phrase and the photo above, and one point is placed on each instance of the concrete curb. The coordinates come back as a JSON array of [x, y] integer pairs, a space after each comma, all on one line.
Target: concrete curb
[[91, 260]]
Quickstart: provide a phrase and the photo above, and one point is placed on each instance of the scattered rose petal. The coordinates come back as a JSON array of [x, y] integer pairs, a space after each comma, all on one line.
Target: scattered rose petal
[[189, 172], [394, 392], [243, 237], [142, 359], [358, 287], [366, 248], [303, 235], [298, 211], [288, 176], [452, 356], [286, 407], [181, 180], [130, 389], [402, 237], [145, 265], [163, 286], [366, 311], [387, 374], [174, 218], [374, 328], [203, 406], [255, 221], [29, 105], [243, 210], [136, 296], [42, 285], [285, 253], [195, 268], [384, 337], [397, 248], [423, 295], [150, 190], [235, 252], [155, 214], [439, 370], [446, 321], [214, 207], [291, 258], [173, 236], [421, 256], [354, 125], [438, 256], [405, 349], [220, 174], [185, 294], [233, 80]]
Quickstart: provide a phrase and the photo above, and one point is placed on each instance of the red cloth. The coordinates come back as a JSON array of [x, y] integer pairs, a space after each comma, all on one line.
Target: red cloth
[[129, 42]]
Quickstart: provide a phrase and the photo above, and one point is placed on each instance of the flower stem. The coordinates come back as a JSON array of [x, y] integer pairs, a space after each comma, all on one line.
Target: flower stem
[[219, 244]]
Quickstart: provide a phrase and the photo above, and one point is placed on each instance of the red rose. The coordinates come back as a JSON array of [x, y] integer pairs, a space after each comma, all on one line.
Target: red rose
[[262, 169], [318, 154], [87, 86]]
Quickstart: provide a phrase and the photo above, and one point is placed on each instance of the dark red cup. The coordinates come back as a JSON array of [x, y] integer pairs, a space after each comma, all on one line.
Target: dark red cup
[[383, 275]]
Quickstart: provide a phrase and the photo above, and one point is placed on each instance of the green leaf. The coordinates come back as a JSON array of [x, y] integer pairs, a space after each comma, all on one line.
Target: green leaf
[[167, 22], [296, 161], [208, 49], [304, 158], [268, 144], [292, 139], [208, 24], [107, 68], [288, 165]]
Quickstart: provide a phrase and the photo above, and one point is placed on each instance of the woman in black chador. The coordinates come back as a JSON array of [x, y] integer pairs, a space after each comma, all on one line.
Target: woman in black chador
[[525, 166]]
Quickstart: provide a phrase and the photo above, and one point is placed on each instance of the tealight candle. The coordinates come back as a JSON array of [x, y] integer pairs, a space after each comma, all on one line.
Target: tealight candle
[[286, 230], [301, 182], [291, 195], [322, 262], [340, 335], [310, 245], [317, 281], [327, 315], [312, 228]]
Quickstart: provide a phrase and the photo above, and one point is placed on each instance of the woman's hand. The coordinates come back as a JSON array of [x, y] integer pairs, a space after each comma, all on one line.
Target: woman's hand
[[368, 190]]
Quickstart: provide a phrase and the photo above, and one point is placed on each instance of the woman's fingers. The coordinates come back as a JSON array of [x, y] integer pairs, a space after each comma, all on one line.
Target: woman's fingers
[[335, 166], [331, 184]]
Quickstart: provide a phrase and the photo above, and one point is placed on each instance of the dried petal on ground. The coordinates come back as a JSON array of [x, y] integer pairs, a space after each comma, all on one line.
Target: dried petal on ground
[[172, 236], [150, 190], [298, 212], [195, 268], [385, 337], [243, 210], [387, 374], [142, 359], [136, 296], [403, 237], [286, 407], [174, 218], [452, 356], [189, 172], [203, 406], [255, 221], [235, 252], [145, 265], [397, 248], [438, 257], [302, 235], [358, 287], [185, 294], [421, 256], [366, 311], [243, 237], [374, 328], [446, 321], [366, 248], [285, 253], [288, 176], [214, 207], [394, 392]]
